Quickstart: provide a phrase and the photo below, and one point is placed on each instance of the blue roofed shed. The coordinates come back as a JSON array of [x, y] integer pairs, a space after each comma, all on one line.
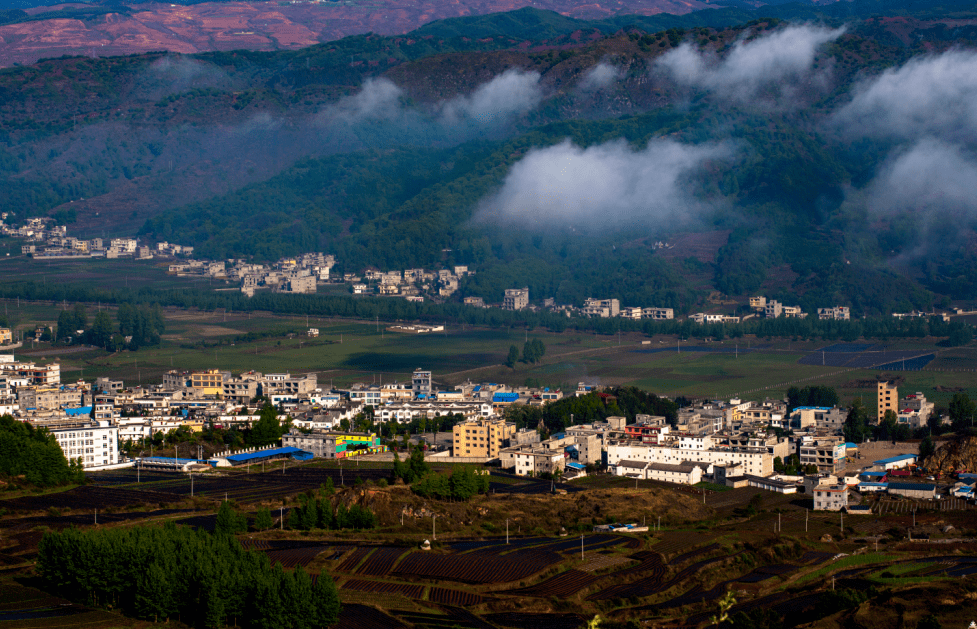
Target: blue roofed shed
[[271, 454], [896, 462]]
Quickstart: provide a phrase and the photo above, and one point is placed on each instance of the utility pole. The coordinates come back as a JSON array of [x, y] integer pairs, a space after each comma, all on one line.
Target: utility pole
[[806, 512], [581, 547], [434, 526], [281, 518]]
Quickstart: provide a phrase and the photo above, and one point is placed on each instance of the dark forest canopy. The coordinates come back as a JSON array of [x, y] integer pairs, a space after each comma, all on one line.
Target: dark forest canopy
[[34, 454], [391, 309], [167, 572], [795, 198]]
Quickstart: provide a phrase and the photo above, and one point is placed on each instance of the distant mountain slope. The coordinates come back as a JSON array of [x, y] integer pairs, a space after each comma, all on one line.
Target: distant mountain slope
[[543, 151], [113, 28], [125, 29]]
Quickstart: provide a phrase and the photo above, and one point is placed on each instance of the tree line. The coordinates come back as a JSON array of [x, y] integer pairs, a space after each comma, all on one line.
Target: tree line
[[349, 307], [34, 453], [316, 511], [137, 326], [962, 413], [620, 401], [162, 573], [461, 484], [532, 352]]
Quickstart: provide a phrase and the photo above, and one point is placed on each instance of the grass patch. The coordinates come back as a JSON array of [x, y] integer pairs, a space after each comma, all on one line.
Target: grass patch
[[846, 562]]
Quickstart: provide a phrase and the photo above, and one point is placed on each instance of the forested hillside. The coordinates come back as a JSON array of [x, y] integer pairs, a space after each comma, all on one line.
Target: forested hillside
[[827, 152]]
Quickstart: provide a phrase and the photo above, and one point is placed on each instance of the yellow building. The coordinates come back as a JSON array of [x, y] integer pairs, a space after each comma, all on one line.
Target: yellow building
[[5, 336], [888, 398], [193, 424], [482, 437], [209, 382]]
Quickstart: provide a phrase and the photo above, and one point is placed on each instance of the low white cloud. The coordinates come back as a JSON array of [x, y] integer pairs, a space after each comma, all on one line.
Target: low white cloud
[[377, 99], [609, 185], [600, 76], [751, 66], [930, 177], [930, 95], [175, 73], [509, 94]]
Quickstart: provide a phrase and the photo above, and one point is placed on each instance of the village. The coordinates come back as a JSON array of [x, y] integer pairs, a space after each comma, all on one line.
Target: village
[[108, 424], [306, 273]]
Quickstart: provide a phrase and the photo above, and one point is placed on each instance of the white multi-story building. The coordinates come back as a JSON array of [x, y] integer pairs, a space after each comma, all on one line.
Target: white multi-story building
[[838, 313], [516, 298], [422, 384], [684, 473], [95, 444], [658, 314], [756, 461], [830, 497], [601, 307], [532, 461], [405, 412]]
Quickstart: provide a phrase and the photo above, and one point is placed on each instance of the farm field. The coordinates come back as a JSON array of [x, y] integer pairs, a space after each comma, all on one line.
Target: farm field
[[783, 558], [361, 351]]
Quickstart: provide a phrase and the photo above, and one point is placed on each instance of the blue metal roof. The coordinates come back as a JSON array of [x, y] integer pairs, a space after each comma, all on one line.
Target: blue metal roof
[[77, 412], [851, 446], [477, 388], [264, 454], [812, 408], [873, 484], [874, 473], [505, 397], [576, 466], [896, 459]]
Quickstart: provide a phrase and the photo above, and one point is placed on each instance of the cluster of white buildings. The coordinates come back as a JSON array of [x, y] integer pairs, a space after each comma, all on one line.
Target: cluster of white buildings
[[297, 274], [772, 309], [47, 241], [411, 284], [518, 299]]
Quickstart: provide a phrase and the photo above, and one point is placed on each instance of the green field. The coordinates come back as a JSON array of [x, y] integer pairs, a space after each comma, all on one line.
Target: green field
[[363, 351]]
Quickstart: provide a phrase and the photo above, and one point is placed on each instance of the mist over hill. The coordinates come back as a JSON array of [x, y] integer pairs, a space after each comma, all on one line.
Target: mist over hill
[[824, 156]]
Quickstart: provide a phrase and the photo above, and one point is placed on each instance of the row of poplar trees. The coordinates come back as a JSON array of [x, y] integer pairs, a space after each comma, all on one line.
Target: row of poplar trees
[[315, 511], [205, 580]]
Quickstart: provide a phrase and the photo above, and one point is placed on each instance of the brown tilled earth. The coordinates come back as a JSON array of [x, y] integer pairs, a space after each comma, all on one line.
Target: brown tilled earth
[[270, 25]]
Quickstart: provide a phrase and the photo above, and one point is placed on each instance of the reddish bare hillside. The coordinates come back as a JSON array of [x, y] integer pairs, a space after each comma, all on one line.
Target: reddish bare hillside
[[270, 25], [703, 246]]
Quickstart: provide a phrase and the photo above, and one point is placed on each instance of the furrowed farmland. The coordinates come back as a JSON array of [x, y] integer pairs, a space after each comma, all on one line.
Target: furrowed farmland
[[552, 569]]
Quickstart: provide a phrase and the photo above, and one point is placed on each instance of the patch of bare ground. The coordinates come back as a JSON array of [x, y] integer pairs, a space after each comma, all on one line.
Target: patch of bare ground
[[703, 246], [780, 277], [213, 330]]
